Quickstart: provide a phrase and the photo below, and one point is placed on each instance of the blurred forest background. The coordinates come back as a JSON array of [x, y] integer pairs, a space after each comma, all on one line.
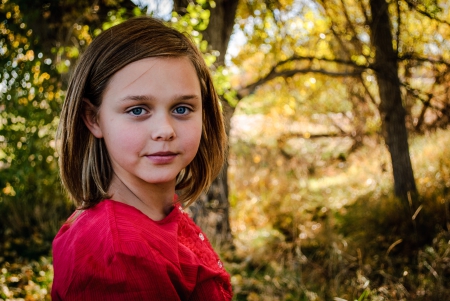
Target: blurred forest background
[[337, 185]]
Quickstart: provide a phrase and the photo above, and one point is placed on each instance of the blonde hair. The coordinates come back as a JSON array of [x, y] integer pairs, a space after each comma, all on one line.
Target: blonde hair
[[85, 167]]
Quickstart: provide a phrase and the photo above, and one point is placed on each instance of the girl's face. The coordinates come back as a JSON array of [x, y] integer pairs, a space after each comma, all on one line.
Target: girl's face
[[151, 120]]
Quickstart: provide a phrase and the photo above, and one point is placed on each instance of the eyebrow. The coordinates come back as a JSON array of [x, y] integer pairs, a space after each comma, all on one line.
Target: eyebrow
[[151, 98]]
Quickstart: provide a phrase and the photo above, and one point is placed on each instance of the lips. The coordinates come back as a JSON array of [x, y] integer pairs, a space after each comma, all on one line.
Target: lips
[[162, 157]]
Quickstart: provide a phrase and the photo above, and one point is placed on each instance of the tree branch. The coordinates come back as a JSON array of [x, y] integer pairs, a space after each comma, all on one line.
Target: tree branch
[[422, 59], [273, 73], [323, 59], [371, 97], [399, 26], [336, 125], [426, 100], [250, 89], [364, 11], [349, 22], [425, 13]]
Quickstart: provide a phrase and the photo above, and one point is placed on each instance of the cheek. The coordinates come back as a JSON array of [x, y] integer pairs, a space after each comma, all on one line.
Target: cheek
[[119, 139], [193, 139]]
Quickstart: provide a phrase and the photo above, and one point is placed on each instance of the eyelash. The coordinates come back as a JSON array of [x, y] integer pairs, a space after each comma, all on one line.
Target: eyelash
[[187, 110], [142, 110], [136, 108]]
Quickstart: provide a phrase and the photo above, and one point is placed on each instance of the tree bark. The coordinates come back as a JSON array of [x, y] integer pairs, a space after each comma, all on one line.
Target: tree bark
[[391, 107], [211, 211], [220, 27], [221, 22]]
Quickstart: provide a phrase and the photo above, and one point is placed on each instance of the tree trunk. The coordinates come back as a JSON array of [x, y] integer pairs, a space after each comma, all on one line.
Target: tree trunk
[[220, 25], [211, 211], [391, 107]]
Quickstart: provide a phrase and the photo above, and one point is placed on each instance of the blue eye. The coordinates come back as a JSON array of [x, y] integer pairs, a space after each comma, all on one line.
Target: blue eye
[[137, 111], [181, 110]]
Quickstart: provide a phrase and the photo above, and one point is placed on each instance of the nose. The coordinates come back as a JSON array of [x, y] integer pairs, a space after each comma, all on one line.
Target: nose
[[163, 129]]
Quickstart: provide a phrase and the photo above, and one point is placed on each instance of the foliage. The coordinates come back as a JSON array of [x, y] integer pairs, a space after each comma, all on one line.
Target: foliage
[[32, 88], [29, 106], [193, 22], [24, 280], [289, 44], [351, 40], [316, 225]]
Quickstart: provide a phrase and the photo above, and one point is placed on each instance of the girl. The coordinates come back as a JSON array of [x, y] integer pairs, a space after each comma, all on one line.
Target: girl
[[141, 120]]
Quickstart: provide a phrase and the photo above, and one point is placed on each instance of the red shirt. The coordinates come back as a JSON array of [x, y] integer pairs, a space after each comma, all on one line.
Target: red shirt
[[114, 252]]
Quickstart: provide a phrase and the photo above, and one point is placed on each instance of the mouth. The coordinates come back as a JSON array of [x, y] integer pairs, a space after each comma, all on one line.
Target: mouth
[[162, 154], [161, 158]]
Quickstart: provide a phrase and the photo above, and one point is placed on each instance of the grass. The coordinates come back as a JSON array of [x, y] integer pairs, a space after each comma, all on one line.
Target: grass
[[311, 226]]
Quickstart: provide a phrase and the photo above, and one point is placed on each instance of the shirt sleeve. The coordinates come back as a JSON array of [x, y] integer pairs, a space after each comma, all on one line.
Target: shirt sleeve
[[126, 277]]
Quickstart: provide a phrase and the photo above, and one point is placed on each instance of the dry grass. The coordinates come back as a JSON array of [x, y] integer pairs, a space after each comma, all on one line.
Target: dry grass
[[318, 223]]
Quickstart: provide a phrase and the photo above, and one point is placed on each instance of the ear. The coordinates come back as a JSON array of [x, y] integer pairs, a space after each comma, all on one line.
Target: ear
[[90, 118]]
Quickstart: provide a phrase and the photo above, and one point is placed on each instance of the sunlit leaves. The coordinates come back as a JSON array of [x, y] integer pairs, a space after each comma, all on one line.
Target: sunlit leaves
[[297, 98], [32, 83], [223, 86], [193, 23], [276, 34], [114, 18], [26, 280]]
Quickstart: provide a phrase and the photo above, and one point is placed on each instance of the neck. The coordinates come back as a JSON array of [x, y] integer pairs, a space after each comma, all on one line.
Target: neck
[[154, 200]]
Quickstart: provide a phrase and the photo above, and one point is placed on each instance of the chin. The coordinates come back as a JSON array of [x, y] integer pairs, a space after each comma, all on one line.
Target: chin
[[168, 180]]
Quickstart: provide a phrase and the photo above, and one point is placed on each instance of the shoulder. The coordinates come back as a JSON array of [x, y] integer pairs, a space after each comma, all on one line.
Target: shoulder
[[86, 229], [111, 227], [87, 238]]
